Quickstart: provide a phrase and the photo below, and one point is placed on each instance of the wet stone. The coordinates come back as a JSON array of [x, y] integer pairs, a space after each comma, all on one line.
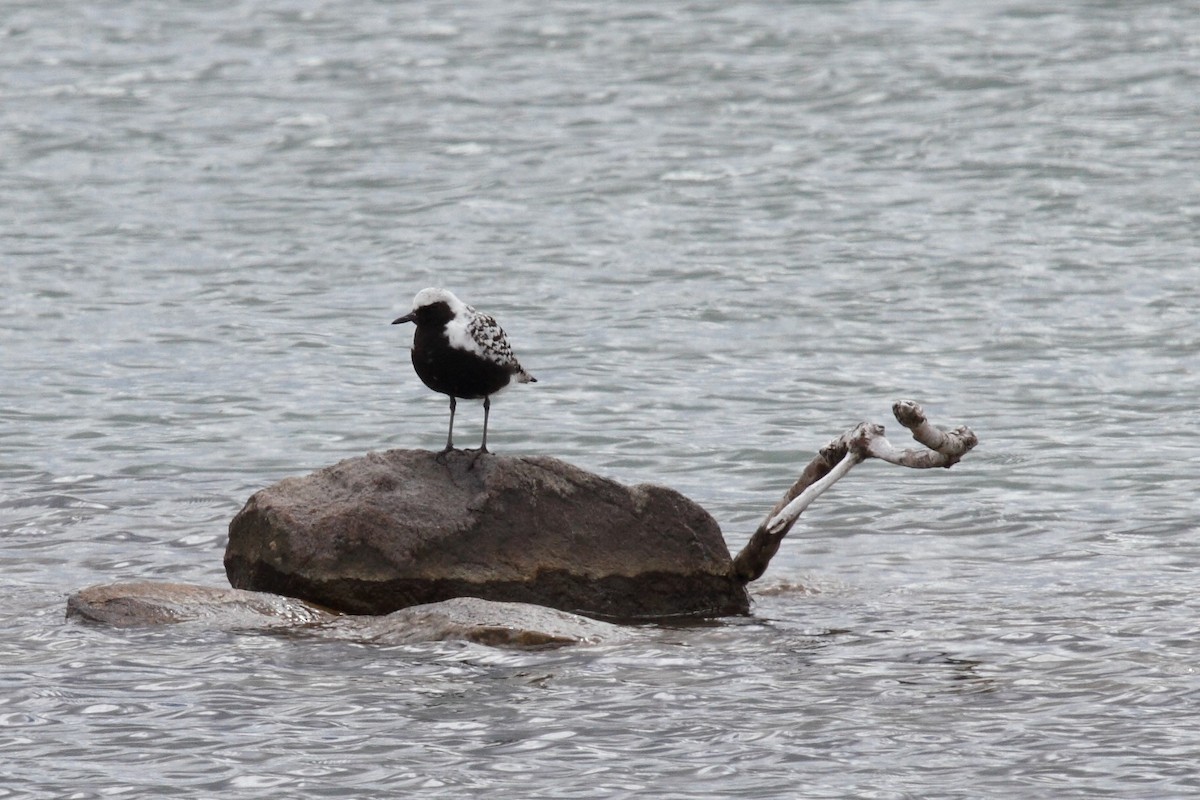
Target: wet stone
[[470, 619], [394, 529]]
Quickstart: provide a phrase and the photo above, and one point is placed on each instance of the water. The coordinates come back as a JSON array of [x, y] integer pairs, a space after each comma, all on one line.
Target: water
[[720, 235]]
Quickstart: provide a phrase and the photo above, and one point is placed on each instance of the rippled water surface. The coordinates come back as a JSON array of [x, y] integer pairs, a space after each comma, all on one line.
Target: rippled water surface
[[719, 234]]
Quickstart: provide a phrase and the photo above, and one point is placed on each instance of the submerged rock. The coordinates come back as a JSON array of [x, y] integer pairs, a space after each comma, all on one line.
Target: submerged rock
[[487, 622], [469, 619], [390, 530], [127, 605]]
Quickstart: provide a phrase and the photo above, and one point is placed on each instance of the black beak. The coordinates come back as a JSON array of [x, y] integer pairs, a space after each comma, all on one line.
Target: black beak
[[405, 318]]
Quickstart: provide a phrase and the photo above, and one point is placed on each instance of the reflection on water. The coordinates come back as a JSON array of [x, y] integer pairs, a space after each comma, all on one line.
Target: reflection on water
[[720, 236]]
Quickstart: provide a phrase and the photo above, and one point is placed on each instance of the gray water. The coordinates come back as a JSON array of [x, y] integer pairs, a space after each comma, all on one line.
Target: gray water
[[719, 234]]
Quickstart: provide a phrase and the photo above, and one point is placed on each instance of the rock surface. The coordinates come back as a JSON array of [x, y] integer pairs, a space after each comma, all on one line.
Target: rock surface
[[515, 625], [128, 605], [518, 625], [386, 531]]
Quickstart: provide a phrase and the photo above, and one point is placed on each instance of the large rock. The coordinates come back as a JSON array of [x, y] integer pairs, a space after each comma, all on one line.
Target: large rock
[[389, 530]]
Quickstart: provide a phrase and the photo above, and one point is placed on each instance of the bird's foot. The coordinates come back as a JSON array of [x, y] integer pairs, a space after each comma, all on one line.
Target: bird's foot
[[478, 453], [441, 456]]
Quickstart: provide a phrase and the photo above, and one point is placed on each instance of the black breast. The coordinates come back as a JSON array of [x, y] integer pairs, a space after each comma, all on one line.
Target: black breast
[[452, 371]]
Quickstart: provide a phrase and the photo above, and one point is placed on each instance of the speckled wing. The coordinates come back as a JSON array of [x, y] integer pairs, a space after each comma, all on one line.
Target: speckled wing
[[493, 344]]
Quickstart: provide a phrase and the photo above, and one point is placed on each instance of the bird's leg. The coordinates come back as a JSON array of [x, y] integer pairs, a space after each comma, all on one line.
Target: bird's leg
[[450, 434], [487, 405]]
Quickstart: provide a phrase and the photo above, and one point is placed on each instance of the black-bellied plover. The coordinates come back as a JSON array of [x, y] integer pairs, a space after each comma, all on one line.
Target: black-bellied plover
[[461, 353]]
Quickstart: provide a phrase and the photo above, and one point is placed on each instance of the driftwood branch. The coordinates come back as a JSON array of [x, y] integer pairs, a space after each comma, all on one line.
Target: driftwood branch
[[839, 457]]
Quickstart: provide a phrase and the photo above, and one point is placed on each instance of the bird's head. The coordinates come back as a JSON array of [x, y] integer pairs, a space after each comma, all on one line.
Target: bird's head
[[432, 306]]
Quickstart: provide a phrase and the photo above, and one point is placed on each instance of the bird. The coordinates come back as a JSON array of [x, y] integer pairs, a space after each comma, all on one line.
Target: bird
[[462, 353]]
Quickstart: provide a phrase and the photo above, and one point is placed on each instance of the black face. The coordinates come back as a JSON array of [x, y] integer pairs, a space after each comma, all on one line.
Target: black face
[[434, 314]]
